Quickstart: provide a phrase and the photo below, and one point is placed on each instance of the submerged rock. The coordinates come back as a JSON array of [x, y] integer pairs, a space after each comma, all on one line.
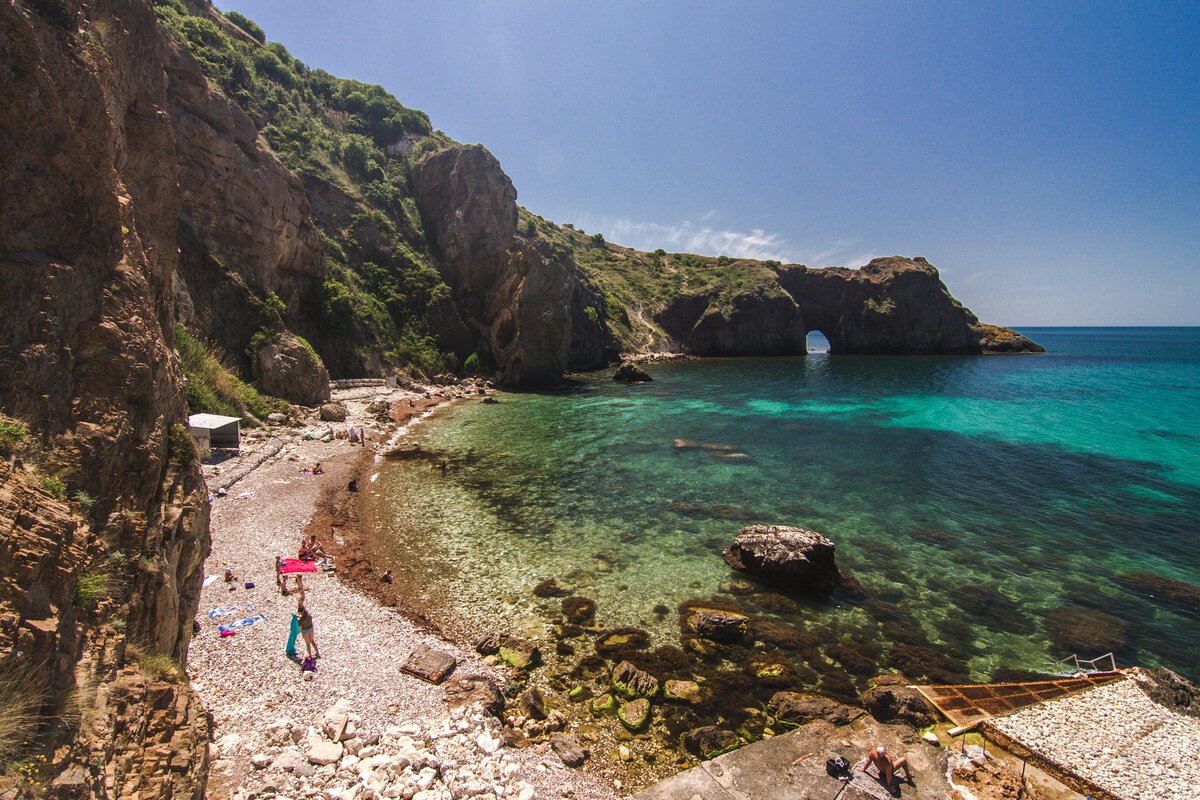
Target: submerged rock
[[635, 714], [1085, 631], [718, 624], [603, 704], [532, 703], [519, 653], [799, 559], [710, 741], [550, 588], [929, 665], [578, 610], [630, 372], [614, 642], [682, 691], [1168, 592], [631, 682]]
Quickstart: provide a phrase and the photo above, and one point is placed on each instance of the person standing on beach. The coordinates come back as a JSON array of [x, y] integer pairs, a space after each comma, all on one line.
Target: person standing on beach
[[306, 630]]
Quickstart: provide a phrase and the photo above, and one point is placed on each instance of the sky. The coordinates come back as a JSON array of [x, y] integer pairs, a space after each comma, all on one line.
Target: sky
[[1044, 156]]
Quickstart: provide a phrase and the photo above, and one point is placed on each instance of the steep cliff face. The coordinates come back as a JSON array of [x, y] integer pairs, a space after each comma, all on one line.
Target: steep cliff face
[[527, 304], [892, 306], [88, 222]]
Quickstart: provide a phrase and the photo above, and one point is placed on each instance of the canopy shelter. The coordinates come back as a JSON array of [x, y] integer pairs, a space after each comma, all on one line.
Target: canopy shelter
[[211, 431]]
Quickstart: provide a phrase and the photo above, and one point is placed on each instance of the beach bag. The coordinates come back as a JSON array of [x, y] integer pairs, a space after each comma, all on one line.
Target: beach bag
[[309, 665], [836, 766], [290, 650]]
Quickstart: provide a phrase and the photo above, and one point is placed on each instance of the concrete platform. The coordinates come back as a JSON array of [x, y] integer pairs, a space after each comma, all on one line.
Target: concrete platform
[[792, 767]]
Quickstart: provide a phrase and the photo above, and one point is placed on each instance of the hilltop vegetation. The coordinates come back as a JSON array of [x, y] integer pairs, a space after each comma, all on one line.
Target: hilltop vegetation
[[635, 284], [345, 139]]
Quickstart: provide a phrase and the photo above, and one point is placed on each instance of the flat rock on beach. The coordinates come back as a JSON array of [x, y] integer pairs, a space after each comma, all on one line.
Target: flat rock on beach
[[269, 734]]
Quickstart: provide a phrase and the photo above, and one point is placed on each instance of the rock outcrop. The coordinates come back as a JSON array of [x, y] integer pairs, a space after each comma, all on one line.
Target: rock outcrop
[[289, 368], [630, 372], [798, 559], [88, 220], [525, 303]]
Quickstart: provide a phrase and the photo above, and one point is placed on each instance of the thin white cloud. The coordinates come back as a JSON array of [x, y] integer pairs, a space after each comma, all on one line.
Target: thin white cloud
[[689, 237]]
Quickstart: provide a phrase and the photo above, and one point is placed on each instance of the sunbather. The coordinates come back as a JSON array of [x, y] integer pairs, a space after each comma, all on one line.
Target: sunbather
[[887, 767]]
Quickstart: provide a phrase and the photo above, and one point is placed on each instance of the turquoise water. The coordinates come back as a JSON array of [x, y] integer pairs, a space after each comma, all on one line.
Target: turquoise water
[[974, 498]]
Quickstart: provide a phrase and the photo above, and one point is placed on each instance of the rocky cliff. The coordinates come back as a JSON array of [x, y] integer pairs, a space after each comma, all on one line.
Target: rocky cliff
[[92, 394]]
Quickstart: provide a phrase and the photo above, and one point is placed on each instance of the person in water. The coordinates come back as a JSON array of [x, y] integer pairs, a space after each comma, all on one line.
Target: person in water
[[888, 767]]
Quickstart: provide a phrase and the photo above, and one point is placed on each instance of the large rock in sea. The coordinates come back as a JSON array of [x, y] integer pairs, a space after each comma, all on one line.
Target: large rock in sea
[[889, 699], [630, 372], [291, 369], [799, 559]]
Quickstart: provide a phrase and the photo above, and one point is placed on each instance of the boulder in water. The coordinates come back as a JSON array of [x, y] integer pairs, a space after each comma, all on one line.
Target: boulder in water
[[635, 714], [793, 709], [717, 624], [630, 372], [709, 741], [578, 610], [799, 559], [632, 682]]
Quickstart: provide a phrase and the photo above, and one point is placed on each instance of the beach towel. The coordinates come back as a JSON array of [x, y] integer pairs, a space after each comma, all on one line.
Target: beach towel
[[228, 611], [209, 581], [290, 566], [290, 650], [242, 623]]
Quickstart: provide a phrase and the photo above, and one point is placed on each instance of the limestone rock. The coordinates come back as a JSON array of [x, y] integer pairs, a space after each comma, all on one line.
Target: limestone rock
[[464, 691], [630, 372], [568, 749], [429, 664], [324, 752], [518, 653], [289, 368], [800, 560], [532, 703], [333, 412], [635, 714]]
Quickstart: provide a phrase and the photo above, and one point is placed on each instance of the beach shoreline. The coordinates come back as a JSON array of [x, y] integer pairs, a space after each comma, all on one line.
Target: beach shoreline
[[271, 726]]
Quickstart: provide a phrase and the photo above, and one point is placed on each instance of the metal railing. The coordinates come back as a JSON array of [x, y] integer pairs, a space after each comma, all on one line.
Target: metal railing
[[1091, 663]]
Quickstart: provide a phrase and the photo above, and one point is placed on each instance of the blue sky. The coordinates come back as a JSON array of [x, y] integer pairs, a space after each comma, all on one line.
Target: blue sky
[[1045, 156]]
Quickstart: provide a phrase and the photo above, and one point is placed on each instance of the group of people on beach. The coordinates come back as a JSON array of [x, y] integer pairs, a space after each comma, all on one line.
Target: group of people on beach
[[302, 622]]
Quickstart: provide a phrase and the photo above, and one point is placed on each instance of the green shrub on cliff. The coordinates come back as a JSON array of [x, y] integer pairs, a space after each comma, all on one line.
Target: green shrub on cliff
[[352, 138], [12, 433], [90, 589], [213, 389]]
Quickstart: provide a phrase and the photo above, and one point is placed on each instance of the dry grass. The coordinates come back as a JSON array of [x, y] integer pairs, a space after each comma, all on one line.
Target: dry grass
[[21, 696]]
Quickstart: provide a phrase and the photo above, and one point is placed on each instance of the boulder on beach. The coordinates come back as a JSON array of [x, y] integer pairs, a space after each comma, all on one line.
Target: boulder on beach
[[799, 559], [630, 372], [793, 709], [568, 749], [532, 703], [464, 691], [333, 412]]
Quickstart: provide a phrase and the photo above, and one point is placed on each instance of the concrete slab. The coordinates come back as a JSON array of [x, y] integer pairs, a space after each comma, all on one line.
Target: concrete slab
[[792, 767]]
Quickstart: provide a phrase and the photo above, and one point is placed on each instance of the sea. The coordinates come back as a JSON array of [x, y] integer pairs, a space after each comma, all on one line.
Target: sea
[[1000, 513]]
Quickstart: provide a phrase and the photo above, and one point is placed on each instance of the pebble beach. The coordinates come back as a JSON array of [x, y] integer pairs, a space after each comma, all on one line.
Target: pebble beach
[[360, 727]]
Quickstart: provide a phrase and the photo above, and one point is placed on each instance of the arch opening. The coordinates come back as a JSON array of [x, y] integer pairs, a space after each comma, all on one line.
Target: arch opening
[[817, 343]]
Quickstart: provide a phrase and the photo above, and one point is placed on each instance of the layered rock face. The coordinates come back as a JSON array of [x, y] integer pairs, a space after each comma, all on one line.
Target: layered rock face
[[88, 222], [890, 306], [526, 304], [287, 368]]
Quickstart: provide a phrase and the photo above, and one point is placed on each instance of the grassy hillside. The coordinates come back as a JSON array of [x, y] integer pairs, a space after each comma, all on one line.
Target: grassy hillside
[[635, 284], [349, 137]]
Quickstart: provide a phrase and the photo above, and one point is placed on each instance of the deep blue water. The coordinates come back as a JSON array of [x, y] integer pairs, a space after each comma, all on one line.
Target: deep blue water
[[975, 498]]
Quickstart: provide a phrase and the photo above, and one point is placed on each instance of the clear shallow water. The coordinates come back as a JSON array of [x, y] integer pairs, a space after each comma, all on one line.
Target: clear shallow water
[[972, 497]]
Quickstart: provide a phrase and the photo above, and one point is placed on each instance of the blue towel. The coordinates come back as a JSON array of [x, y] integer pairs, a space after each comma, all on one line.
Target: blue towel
[[290, 650], [242, 623]]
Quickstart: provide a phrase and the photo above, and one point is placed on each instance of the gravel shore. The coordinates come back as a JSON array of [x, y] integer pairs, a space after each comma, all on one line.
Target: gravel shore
[[279, 735]]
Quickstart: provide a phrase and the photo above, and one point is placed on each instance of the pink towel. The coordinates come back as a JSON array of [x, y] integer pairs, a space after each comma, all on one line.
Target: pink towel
[[289, 566]]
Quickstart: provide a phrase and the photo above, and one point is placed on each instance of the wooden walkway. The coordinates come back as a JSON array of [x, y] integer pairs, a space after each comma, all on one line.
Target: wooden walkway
[[968, 705]]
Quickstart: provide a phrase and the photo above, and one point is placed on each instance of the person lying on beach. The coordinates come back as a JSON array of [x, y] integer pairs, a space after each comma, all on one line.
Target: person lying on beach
[[887, 767]]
